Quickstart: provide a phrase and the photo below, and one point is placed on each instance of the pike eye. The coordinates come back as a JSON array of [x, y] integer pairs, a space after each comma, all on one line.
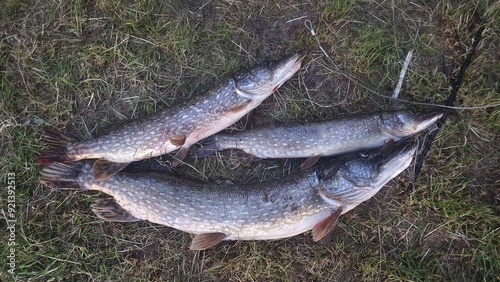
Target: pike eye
[[413, 112], [364, 154]]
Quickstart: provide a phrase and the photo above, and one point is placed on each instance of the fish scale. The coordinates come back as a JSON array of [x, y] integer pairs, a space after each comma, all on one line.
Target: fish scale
[[193, 202], [325, 138], [176, 128], [308, 199]]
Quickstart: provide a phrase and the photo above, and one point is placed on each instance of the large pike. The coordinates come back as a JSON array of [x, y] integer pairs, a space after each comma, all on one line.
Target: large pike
[[325, 138], [177, 128], [309, 199]]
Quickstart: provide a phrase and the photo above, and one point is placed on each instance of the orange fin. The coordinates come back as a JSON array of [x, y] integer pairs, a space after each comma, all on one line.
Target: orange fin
[[57, 151], [179, 156], [309, 162], [206, 240], [178, 140], [322, 229], [110, 210], [104, 169]]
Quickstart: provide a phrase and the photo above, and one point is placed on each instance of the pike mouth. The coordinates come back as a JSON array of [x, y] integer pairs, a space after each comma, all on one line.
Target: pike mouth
[[283, 70], [427, 120], [397, 162], [288, 70]]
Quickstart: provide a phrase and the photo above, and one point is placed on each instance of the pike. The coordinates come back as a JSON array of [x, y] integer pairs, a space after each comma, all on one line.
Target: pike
[[309, 199], [325, 138], [177, 128]]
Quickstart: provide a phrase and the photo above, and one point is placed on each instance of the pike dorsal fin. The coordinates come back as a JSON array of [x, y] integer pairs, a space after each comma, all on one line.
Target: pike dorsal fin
[[323, 228], [309, 162], [206, 240], [104, 169], [110, 210]]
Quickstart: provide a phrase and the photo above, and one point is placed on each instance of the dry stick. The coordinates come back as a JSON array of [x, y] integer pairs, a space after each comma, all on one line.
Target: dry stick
[[356, 80], [402, 74], [449, 105], [456, 86]]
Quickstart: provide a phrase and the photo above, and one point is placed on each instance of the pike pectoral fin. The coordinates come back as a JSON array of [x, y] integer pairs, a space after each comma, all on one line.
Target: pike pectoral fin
[[104, 169], [322, 229], [206, 240], [179, 156], [110, 210], [309, 162]]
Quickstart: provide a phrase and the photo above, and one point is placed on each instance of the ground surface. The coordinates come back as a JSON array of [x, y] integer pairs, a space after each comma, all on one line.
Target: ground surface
[[87, 66]]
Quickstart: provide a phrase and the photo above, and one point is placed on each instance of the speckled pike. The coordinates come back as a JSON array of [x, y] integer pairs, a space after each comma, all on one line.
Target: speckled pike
[[310, 199], [177, 128], [325, 138]]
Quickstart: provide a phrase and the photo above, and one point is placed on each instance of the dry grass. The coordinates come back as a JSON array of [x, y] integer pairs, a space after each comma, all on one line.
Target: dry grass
[[88, 65]]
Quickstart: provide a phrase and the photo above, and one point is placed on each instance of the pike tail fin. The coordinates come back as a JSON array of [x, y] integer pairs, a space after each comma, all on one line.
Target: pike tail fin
[[57, 151], [209, 147], [63, 176]]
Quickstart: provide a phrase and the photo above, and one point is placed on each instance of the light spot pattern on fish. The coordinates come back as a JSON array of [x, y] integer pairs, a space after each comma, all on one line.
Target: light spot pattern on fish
[[269, 210], [326, 138], [176, 128]]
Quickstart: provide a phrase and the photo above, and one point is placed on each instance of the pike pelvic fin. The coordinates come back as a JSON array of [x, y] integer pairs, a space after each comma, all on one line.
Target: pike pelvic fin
[[327, 238], [388, 147], [62, 176], [57, 151], [322, 229], [209, 147], [110, 210], [104, 169], [179, 156], [309, 162], [206, 240]]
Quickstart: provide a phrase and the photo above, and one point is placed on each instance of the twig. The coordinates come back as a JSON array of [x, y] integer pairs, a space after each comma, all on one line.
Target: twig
[[402, 74], [358, 82], [451, 99]]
